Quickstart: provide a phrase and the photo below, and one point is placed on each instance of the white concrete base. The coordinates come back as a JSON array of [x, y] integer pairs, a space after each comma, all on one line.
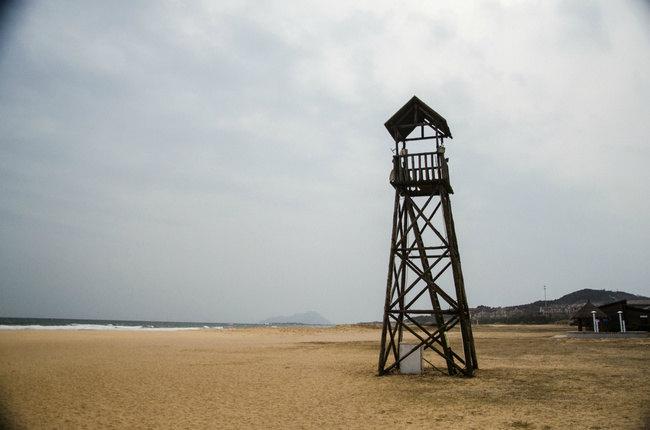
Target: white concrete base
[[411, 365]]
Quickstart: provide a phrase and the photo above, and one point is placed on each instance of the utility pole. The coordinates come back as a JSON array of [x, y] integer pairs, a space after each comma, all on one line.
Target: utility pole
[[545, 308]]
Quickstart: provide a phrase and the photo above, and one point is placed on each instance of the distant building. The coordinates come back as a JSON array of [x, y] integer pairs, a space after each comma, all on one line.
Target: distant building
[[636, 314], [584, 318]]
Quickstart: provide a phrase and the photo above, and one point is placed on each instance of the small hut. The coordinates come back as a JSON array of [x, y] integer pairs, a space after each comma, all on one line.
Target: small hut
[[584, 318], [635, 313]]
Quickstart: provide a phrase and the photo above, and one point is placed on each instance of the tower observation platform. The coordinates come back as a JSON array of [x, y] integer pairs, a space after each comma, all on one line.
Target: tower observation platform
[[419, 173]]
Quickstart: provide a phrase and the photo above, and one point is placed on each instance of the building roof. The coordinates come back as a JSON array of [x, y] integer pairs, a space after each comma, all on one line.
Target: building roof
[[634, 303], [415, 111], [585, 312], [641, 304]]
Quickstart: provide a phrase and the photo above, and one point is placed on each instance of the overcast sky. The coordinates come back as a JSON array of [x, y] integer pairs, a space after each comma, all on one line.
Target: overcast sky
[[227, 161]]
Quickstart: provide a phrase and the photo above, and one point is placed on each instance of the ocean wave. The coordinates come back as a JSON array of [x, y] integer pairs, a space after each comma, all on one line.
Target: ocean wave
[[107, 327]]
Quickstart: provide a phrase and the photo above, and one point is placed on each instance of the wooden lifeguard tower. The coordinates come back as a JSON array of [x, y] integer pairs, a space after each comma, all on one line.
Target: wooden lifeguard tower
[[425, 292]]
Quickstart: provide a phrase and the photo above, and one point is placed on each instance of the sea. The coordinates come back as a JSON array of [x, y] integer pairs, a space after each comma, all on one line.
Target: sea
[[117, 325]]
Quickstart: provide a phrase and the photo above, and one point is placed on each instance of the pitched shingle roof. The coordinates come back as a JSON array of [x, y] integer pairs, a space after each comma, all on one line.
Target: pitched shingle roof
[[415, 111]]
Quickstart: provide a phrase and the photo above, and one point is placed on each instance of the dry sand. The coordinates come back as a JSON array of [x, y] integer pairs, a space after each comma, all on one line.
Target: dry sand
[[306, 378]]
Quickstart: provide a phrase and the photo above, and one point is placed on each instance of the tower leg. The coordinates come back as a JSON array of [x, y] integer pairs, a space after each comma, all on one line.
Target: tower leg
[[386, 329], [465, 320], [404, 224]]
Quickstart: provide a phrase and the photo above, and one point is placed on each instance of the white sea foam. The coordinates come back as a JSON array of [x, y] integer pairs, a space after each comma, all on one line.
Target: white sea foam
[[109, 327]]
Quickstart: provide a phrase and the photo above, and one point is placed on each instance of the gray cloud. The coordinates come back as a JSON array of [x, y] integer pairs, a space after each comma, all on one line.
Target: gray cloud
[[227, 162]]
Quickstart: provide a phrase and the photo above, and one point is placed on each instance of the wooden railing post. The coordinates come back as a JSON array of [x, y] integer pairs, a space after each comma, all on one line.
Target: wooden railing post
[[421, 167]]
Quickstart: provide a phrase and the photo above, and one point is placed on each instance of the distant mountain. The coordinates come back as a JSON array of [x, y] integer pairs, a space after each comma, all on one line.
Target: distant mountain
[[597, 297], [311, 317], [555, 310]]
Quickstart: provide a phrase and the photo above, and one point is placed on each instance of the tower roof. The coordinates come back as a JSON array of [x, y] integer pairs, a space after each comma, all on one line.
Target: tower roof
[[415, 111]]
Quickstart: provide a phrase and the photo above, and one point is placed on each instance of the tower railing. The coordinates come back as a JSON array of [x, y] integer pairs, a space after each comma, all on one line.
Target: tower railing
[[419, 168]]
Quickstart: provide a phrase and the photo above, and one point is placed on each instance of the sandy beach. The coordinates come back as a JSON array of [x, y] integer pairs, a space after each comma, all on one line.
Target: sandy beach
[[315, 378]]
